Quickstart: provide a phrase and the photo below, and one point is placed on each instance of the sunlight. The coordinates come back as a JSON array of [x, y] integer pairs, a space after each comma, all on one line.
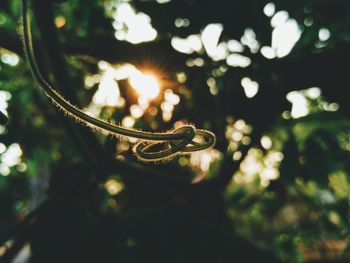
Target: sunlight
[[4, 169], [5, 96], [114, 187], [258, 165], [182, 22], [279, 18], [10, 59], [187, 45], [250, 87], [235, 46], [181, 45], [249, 39], [269, 9], [266, 142], [128, 122], [210, 38], [251, 166], [313, 93], [131, 26], [237, 60], [108, 93], [299, 104], [268, 52], [285, 34], [301, 101], [136, 111], [145, 85], [324, 34], [195, 42], [203, 160], [60, 21], [10, 156], [2, 148], [171, 97]]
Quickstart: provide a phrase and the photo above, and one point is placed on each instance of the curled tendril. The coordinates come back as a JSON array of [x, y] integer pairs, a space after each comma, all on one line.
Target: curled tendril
[[179, 141], [172, 148]]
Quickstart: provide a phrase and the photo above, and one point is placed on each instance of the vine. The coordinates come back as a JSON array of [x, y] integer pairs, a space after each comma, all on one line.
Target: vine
[[183, 140]]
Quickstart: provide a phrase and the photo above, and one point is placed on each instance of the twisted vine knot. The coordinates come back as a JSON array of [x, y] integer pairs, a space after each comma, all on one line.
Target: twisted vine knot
[[186, 145], [183, 140]]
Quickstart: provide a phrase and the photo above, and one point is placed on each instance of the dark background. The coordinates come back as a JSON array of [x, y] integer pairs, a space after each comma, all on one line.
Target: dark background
[[275, 188]]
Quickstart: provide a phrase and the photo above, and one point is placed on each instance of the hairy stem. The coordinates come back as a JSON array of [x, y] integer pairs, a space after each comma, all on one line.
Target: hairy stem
[[179, 138]]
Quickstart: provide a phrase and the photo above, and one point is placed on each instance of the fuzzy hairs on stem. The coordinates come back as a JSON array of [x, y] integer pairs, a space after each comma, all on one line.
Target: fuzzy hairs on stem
[[179, 141]]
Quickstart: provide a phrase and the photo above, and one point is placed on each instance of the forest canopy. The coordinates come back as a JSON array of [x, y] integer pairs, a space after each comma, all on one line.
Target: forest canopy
[[269, 79]]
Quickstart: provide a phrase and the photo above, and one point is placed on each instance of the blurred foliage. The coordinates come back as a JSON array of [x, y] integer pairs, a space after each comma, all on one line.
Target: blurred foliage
[[274, 189]]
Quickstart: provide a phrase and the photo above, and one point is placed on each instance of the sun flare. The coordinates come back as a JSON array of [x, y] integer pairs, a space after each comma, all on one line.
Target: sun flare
[[146, 85]]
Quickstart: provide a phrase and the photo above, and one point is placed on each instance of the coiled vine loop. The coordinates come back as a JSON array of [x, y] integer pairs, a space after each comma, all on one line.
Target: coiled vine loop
[[182, 140]]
